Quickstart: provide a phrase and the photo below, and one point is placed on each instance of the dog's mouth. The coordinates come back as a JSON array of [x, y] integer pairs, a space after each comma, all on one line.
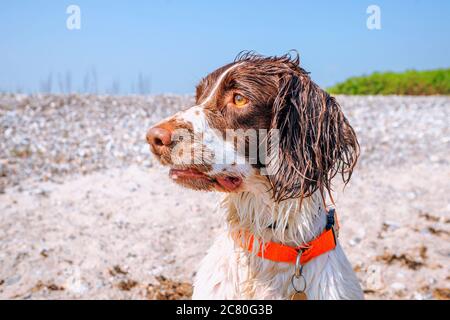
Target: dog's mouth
[[194, 178]]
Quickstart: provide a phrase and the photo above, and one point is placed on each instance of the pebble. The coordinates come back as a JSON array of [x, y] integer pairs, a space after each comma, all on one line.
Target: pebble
[[354, 241], [374, 280], [391, 225], [398, 286], [13, 280]]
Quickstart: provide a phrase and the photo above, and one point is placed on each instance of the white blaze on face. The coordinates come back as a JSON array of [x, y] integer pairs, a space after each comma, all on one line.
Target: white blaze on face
[[219, 82], [225, 158], [196, 114]]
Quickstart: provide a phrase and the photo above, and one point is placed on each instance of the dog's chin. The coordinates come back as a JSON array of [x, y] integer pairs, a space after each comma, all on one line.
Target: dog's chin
[[192, 178]]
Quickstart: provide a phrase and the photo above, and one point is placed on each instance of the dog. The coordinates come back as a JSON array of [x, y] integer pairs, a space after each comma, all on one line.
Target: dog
[[281, 237]]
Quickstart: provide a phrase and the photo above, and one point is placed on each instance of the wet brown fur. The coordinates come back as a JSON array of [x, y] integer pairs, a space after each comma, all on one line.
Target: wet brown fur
[[317, 141]]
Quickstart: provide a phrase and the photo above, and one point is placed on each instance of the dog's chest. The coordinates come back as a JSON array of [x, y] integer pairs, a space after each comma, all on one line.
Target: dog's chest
[[227, 273]]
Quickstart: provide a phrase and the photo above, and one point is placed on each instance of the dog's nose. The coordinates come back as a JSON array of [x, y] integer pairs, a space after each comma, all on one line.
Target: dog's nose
[[159, 138]]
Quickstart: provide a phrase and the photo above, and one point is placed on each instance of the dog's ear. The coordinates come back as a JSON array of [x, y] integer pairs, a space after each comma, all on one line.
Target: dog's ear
[[316, 141]]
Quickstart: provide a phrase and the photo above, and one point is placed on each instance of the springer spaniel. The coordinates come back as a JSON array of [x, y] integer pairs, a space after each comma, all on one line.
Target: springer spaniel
[[271, 140]]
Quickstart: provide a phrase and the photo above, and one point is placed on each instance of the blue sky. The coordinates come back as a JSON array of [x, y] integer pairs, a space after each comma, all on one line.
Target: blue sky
[[175, 43]]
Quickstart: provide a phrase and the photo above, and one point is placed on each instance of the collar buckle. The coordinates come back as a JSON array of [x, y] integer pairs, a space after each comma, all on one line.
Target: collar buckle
[[332, 223]]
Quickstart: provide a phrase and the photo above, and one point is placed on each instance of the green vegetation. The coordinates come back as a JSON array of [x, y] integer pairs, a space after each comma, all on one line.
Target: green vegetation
[[411, 82]]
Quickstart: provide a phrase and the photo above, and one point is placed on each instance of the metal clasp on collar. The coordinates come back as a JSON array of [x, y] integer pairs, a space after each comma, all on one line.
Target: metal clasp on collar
[[299, 293], [332, 223], [298, 265]]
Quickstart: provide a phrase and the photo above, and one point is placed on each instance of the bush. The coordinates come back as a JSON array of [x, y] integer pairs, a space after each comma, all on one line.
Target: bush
[[411, 82]]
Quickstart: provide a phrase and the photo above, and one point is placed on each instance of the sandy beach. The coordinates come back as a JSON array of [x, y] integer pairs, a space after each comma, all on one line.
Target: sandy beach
[[87, 213]]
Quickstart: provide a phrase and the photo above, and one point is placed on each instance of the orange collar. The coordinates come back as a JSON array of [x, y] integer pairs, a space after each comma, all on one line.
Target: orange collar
[[281, 253]]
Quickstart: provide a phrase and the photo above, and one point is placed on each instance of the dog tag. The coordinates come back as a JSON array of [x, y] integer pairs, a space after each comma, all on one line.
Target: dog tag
[[299, 296]]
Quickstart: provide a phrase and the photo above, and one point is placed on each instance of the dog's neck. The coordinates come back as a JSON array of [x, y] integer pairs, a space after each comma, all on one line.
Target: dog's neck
[[292, 222]]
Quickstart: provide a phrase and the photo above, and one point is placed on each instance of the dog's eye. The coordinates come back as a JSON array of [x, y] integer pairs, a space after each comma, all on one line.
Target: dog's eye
[[239, 100]]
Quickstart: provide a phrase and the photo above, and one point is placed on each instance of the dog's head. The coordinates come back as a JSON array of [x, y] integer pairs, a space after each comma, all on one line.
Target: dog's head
[[258, 116]]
